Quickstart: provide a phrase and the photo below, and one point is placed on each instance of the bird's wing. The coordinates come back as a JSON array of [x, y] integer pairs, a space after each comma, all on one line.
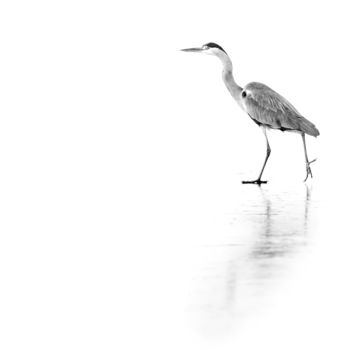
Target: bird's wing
[[268, 108]]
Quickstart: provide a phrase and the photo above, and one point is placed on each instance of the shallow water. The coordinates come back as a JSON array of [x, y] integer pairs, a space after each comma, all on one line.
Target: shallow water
[[267, 235]]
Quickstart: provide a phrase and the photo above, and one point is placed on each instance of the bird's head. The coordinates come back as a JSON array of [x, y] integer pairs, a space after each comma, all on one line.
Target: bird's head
[[209, 49]]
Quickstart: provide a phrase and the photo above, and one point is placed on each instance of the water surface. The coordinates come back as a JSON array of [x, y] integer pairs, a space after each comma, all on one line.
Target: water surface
[[267, 234]]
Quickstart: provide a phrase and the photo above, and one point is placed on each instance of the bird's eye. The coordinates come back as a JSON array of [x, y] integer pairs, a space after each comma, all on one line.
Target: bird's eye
[[205, 47], [244, 94]]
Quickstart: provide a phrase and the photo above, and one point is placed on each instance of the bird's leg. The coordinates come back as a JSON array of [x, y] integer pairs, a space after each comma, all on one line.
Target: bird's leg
[[308, 169], [268, 152]]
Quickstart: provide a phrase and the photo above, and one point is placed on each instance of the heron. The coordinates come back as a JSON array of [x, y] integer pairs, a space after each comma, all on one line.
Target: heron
[[267, 108]]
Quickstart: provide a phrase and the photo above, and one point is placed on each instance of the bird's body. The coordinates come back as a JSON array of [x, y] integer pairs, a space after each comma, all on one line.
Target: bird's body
[[269, 109], [265, 107]]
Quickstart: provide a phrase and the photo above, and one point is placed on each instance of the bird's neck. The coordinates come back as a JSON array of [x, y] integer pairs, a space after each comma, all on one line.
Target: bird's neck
[[234, 89]]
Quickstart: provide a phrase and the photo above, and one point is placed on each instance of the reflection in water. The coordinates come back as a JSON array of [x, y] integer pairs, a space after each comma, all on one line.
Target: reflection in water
[[269, 231], [281, 232], [283, 240]]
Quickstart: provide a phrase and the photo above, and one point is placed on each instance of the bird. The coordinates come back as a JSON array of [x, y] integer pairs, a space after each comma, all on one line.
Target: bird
[[267, 108]]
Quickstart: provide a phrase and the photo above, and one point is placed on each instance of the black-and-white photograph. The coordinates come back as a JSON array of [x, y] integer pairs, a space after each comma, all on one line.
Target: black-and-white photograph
[[174, 175]]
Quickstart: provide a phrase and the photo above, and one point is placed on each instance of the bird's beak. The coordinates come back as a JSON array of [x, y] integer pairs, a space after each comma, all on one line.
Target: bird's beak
[[193, 49]]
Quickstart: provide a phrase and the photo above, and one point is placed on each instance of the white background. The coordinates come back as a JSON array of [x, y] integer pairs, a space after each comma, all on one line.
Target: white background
[[113, 142]]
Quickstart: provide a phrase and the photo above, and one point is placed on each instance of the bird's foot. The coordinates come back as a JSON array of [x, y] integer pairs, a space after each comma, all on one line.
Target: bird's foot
[[255, 182], [308, 169]]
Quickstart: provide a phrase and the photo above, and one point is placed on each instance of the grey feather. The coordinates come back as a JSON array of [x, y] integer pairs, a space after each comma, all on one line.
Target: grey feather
[[268, 108]]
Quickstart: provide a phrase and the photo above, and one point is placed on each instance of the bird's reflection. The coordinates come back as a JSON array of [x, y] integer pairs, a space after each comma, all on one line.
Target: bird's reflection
[[279, 237], [270, 228], [283, 228]]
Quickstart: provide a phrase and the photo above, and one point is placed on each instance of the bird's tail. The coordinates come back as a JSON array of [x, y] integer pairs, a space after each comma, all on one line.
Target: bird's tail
[[308, 128]]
